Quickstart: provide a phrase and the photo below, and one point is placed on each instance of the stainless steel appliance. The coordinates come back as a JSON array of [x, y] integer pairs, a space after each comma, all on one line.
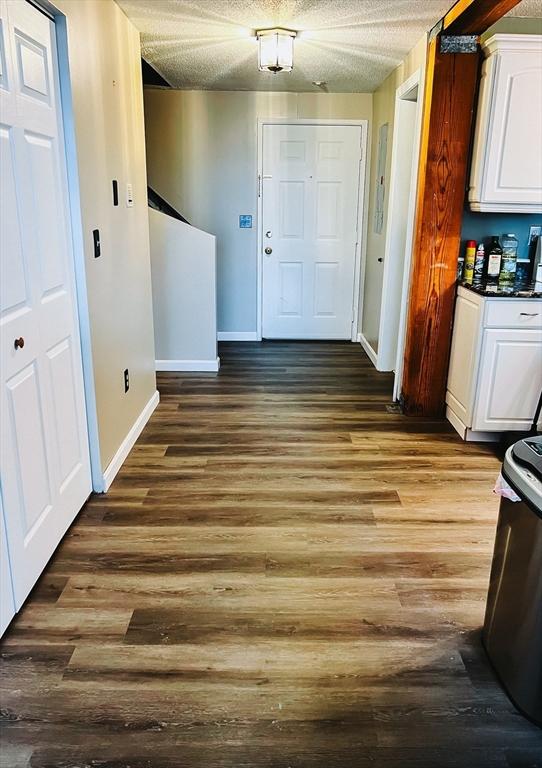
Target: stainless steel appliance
[[512, 632]]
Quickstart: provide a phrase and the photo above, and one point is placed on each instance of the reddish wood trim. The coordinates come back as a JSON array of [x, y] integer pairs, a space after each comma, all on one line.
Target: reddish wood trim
[[472, 17], [450, 93]]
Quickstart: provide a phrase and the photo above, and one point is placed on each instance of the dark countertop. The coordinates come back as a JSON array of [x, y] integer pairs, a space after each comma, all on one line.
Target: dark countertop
[[523, 291]]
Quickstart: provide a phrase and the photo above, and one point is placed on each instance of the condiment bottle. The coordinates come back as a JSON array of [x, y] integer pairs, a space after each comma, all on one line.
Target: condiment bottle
[[494, 259], [468, 271], [507, 275], [479, 265]]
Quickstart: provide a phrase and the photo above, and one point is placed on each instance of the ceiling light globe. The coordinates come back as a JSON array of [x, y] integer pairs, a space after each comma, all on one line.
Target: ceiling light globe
[[275, 50]]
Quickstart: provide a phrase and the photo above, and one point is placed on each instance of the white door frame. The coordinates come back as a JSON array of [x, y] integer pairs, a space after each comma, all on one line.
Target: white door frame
[[418, 78], [361, 212], [76, 239]]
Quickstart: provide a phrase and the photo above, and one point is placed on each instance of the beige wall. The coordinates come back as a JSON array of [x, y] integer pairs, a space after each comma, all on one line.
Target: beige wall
[[104, 60], [201, 157], [383, 112], [514, 25]]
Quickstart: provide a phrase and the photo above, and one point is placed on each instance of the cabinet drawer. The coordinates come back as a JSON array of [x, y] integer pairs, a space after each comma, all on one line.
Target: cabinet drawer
[[514, 313]]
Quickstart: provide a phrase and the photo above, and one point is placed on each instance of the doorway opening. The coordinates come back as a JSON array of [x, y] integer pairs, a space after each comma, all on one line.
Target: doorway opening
[[394, 280]]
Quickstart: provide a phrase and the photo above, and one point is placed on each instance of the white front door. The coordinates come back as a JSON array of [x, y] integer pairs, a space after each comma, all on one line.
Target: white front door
[[44, 446], [311, 176]]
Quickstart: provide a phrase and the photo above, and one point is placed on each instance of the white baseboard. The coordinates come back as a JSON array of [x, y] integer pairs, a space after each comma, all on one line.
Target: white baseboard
[[367, 347], [467, 434], [473, 436], [188, 365], [456, 422], [237, 336], [128, 443]]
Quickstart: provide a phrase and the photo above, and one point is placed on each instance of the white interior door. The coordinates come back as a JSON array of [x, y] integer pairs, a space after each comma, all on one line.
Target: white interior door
[[311, 176], [44, 446]]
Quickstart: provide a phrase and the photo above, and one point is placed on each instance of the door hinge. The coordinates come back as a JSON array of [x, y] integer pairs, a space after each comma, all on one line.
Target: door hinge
[[259, 185]]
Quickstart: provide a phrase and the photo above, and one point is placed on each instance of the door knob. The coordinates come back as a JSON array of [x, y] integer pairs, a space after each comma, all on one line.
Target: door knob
[[19, 343], [269, 251]]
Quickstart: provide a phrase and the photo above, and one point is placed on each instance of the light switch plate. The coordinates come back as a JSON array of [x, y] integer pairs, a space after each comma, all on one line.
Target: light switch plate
[[129, 196]]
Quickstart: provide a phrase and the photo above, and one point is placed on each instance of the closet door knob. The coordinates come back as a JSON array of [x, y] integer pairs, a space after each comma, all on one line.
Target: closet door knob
[[19, 343]]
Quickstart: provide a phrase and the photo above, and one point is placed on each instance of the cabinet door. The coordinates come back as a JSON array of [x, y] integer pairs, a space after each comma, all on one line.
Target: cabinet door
[[510, 380], [7, 604], [513, 162]]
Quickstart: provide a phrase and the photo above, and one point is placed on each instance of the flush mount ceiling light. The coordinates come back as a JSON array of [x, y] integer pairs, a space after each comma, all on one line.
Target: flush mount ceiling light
[[275, 50]]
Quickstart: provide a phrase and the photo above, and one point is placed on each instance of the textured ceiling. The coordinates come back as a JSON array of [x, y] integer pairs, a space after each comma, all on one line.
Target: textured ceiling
[[352, 45], [527, 8]]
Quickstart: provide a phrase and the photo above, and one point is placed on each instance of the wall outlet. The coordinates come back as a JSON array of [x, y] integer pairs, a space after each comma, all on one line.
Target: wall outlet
[[126, 380]]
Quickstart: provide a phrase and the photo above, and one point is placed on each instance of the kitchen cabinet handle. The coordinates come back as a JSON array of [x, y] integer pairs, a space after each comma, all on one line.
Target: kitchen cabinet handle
[[528, 314]]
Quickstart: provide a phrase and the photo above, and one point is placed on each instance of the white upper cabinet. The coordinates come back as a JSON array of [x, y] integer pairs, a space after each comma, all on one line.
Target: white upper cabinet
[[506, 171]]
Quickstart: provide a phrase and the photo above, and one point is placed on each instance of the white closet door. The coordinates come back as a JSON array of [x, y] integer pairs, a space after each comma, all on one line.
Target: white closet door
[[310, 224], [44, 446]]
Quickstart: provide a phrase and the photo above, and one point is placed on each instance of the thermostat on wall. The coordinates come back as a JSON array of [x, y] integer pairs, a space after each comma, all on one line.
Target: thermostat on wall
[[245, 221]]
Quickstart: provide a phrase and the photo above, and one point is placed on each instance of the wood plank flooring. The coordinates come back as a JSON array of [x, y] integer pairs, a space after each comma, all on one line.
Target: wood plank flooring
[[286, 573]]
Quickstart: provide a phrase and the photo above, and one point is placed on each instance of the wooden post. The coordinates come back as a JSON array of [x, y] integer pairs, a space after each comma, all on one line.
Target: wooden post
[[449, 101]]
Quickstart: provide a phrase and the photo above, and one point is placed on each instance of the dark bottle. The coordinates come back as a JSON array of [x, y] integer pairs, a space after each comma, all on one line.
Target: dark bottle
[[494, 259]]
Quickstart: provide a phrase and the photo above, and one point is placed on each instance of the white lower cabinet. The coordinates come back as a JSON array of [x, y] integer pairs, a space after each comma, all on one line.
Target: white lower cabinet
[[495, 375]]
